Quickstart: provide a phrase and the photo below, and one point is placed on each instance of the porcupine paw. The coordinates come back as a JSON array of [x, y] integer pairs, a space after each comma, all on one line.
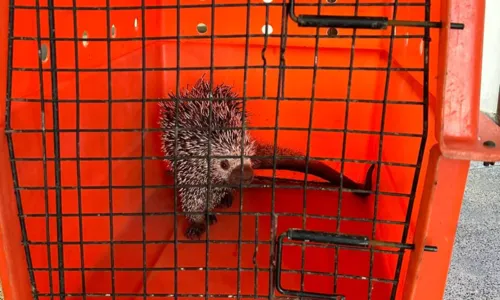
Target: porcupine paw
[[195, 230], [226, 201], [212, 219]]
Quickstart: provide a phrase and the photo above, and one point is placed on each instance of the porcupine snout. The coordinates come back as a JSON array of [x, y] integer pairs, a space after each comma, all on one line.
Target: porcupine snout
[[245, 177]]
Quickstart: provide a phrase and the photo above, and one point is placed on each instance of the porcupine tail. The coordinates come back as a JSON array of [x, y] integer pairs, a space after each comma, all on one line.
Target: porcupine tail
[[316, 168]]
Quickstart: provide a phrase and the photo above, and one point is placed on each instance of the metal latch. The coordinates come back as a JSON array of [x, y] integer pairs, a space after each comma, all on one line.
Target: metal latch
[[332, 239], [340, 21]]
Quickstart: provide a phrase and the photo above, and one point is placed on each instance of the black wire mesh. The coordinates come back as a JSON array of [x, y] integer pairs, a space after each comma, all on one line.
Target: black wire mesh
[[53, 190]]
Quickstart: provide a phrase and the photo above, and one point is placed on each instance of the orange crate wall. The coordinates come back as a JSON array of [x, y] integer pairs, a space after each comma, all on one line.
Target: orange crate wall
[[331, 82]]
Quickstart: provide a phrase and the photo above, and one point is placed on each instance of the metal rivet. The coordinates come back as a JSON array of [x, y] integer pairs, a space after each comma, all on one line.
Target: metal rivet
[[201, 28], [489, 144], [332, 31], [85, 35], [44, 53]]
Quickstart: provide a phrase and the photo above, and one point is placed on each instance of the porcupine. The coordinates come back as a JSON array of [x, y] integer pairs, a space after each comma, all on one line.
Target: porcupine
[[192, 148]]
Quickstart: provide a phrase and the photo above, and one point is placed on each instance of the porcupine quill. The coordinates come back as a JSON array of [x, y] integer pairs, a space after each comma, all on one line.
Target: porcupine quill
[[193, 115]]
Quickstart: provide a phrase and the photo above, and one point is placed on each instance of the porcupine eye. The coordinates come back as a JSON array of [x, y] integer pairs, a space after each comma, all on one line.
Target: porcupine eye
[[224, 164]]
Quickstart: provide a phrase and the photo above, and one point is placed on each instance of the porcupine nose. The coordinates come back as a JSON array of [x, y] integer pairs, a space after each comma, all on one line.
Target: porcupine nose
[[237, 176]]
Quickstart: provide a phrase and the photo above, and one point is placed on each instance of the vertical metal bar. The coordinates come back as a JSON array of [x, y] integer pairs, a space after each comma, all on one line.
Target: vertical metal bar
[[308, 149], [209, 153], [344, 143], [77, 133], [245, 83], [57, 156], [255, 259], [381, 143], [110, 150], [263, 56], [15, 180], [44, 148], [280, 92], [143, 148], [176, 150], [423, 141]]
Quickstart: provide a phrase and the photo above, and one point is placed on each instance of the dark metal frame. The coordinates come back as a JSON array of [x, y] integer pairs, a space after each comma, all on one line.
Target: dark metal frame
[[288, 12]]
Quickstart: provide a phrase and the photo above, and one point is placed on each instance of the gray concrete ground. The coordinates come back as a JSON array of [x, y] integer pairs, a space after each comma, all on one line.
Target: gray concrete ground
[[475, 267]]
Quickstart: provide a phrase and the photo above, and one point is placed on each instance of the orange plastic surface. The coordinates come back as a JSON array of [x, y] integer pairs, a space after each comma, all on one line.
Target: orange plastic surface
[[437, 224], [12, 261], [331, 83], [462, 128]]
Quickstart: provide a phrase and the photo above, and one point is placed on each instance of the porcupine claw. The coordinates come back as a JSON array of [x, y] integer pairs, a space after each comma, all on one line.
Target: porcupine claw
[[195, 230], [212, 219]]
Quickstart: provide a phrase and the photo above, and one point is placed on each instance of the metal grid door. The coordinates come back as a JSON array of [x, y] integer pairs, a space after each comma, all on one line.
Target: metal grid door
[[82, 152]]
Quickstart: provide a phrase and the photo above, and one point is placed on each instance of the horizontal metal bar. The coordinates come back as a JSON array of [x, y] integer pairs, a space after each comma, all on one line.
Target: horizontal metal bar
[[252, 98], [171, 186], [216, 5], [172, 295], [222, 213], [207, 68], [344, 239], [359, 22], [153, 158], [364, 22], [341, 21], [459, 26], [402, 246], [228, 269], [311, 186], [219, 242], [202, 37], [104, 130], [325, 237]]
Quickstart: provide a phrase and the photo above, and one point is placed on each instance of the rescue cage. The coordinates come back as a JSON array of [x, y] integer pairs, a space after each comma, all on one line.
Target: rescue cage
[[97, 209]]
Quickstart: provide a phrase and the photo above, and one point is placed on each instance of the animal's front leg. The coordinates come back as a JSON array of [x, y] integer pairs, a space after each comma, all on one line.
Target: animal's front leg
[[196, 226], [194, 203], [212, 219]]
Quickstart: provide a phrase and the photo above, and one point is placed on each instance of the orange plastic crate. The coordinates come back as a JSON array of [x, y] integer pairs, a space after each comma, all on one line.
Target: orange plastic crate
[[102, 197]]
